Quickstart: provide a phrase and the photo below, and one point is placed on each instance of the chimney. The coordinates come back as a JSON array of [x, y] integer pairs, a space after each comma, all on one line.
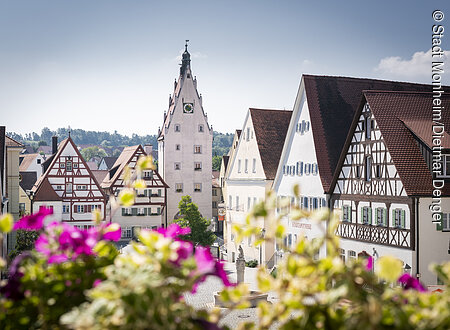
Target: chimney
[[54, 144], [148, 148]]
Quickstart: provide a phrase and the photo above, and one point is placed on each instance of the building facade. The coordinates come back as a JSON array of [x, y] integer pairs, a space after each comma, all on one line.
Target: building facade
[[149, 209], [185, 145]]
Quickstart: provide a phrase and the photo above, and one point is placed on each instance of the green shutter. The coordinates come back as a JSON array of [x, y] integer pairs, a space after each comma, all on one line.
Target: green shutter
[[159, 192], [145, 211], [393, 218], [145, 192], [123, 211], [149, 211], [370, 215], [134, 211], [350, 213], [385, 217], [158, 210], [402, 221], [439, 226]]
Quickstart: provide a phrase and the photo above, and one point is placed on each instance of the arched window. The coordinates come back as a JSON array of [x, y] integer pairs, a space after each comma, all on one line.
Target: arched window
[[368, 168]]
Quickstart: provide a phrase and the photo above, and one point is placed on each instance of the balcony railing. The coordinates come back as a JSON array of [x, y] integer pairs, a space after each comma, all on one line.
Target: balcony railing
[[396, 237]]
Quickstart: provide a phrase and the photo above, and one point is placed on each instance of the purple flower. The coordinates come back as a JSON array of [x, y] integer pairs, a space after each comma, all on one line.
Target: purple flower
[[207, 265], [184, 251], [96, 283], [174, 230], [369, 264], [112, 232], [410, 282], [12, 289], [33, 221]]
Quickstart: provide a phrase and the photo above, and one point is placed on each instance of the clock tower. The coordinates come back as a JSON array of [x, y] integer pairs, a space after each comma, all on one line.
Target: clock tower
[[185, 145]]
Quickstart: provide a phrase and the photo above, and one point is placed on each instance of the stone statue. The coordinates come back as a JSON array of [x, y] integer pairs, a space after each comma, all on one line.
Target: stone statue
[[240, 265]]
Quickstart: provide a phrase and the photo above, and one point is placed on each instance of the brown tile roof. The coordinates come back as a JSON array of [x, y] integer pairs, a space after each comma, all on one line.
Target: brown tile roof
[[45, 192], [27, 160], [422, 129], [27, 180], [109, 161], [392, 110], [123, 159], [332, 102], [100, 175], [270, 130], [10, 142]]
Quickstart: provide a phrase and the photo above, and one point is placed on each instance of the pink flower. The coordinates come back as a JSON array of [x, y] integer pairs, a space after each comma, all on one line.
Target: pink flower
[[207, 265], [369, 264], [184, 251], [112, 232], [174, 230], [96, 283], [410, 282], [33, 221]]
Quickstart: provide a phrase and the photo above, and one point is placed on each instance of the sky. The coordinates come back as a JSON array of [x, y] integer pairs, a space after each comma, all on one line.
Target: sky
[[109, 65]]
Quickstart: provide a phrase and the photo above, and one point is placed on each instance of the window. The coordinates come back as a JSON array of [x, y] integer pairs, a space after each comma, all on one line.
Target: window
[[178, 187], [69, 187], [305, 202], [66, 209], [237, 203], [239, 166], [197, 187], [197, 166], [38, 161], [81, 187], [248, 133], [141, 211], [300, 168], [58, 187], [445, 222], [148, 174], [177, 128], [315, 203], [307, 169], [177, 166], [200, 128], [249, 241], [378, 171], [398, 216], [80, 209], [445, 173], [230, 202], [347, 213], [63, 165], [177, 147], [127, 232], [214, 205], [380, 215], [366, 215], [358, 172], [214, 192], [342, 254], [368, 127], [197, 149], [351, 256], [368, 168], [68, 165], [252, 134], [254, 165], [246, 166], [75, 165]]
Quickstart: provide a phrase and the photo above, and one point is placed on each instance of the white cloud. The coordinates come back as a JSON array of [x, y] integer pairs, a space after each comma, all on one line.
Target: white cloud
[[418, 67]]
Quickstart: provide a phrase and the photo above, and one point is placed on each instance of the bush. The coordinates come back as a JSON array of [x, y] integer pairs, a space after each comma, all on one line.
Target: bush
[[252, 263]]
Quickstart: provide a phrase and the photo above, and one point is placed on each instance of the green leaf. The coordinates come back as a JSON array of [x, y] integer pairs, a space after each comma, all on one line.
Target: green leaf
[[126, 197]]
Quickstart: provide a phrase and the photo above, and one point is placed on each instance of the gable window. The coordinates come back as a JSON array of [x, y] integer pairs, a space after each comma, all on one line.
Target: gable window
[[368, 127], [197, 149], [307, 169], [315, 203], [81, 187], [38, 161], [63, 165], [66, 209], [366, 215], [75, 165], [347, 213], [177, 166], [380, 215], [358, 172], [69, 165], [398, 216], [69, 187], [368, 168], [178, 187], [200, 128], [314, 169], [177, 128], [248, 133], [239, 166], [58, 187], [305, 203], [254, 165], [148, 174], [197, 166], [177, 147], [246, 166], [197, 187]]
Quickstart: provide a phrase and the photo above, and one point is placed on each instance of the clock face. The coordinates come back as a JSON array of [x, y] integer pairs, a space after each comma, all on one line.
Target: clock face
[[188, 108]]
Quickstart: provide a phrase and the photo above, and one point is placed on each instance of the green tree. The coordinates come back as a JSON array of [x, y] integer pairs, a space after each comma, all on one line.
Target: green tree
[[91, 152], [192, 218], [216, 161], [24, 242]]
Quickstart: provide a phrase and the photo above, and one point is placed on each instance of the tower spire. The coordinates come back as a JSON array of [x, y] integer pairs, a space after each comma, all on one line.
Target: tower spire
[[186, 59]]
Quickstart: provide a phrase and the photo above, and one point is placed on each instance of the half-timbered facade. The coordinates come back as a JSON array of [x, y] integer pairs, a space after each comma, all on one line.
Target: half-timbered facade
[[149, 209], [68, 187], [322, 117], [384, 185]]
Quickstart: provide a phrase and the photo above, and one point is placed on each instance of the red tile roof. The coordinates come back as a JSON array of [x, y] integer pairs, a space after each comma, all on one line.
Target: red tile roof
[[45, 192], [404, 117], [333, 102], [270, 130]]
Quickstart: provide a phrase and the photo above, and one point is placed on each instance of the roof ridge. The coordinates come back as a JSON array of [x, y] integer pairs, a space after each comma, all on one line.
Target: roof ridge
[[374, 91]]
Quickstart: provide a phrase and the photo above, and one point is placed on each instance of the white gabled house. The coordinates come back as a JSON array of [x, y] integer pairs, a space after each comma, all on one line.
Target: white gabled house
[[149, 209], [322, 115], [250, 174], [384, 185], [68, 187]]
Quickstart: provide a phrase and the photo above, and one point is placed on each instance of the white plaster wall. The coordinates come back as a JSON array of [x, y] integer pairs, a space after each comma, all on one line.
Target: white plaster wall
[[57, 210], [433, 245]]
